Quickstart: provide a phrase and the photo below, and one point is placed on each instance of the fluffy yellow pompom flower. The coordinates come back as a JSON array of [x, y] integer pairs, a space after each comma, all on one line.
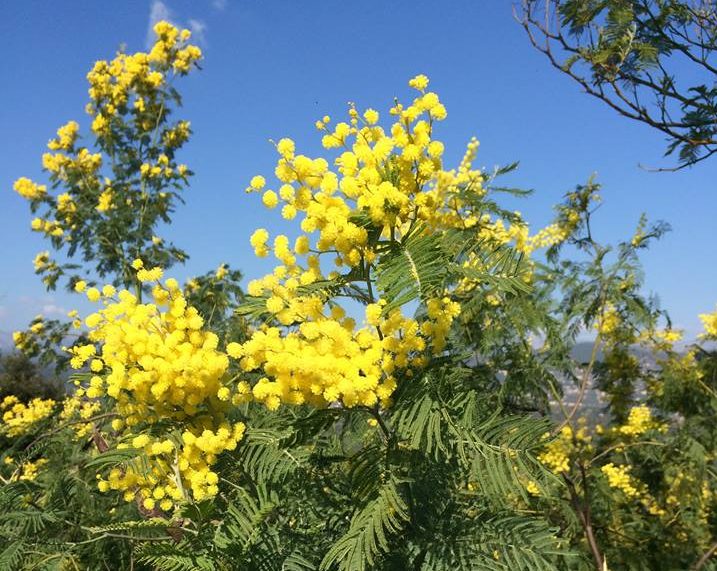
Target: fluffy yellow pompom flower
[[373, 314], [371, 116], [301, 246], [270, 199], [258, 241], [257, 183], [288, 212], [234, 350], [419, 82], [93, 294], [286, 148]]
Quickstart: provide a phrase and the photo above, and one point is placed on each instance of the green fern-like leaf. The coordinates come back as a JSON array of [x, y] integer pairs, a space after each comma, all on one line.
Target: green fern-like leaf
[[153, 523], [179, 557], [412, 269], [242, 522], [369, 531], [11, 556]]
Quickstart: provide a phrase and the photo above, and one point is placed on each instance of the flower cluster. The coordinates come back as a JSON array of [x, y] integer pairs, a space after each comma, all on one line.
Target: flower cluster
[[28, 189], [619, 477], [683, 489], [65, 209], [639, 421], [668, 336], [167, 470], [137, 80], [24, 471], [327, 361], [160, 367], [25, 340], [131, 99], [77, 408], [558, 453], [709, 322], [608, 321], [384, 184], [19, 418]]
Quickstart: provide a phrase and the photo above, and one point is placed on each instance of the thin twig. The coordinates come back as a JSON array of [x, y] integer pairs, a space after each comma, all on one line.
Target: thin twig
[[587, 374], [702, 561]]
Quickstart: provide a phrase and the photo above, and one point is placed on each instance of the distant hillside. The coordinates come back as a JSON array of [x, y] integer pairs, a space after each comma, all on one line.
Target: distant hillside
[[6, 341], [583, 351]]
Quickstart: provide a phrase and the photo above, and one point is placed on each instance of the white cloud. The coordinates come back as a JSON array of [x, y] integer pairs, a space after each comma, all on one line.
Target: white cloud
[[51, 309], [17, 312], [198, 28], [45, 305], [219, 4]]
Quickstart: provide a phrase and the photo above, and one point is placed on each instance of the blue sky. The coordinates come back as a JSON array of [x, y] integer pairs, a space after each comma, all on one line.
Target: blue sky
[[272, 68]]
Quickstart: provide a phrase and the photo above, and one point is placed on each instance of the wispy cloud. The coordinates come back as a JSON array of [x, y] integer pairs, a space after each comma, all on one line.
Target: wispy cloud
[[198, 29], [45, 305], [219, 4], [50, 309], [17, 313]]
